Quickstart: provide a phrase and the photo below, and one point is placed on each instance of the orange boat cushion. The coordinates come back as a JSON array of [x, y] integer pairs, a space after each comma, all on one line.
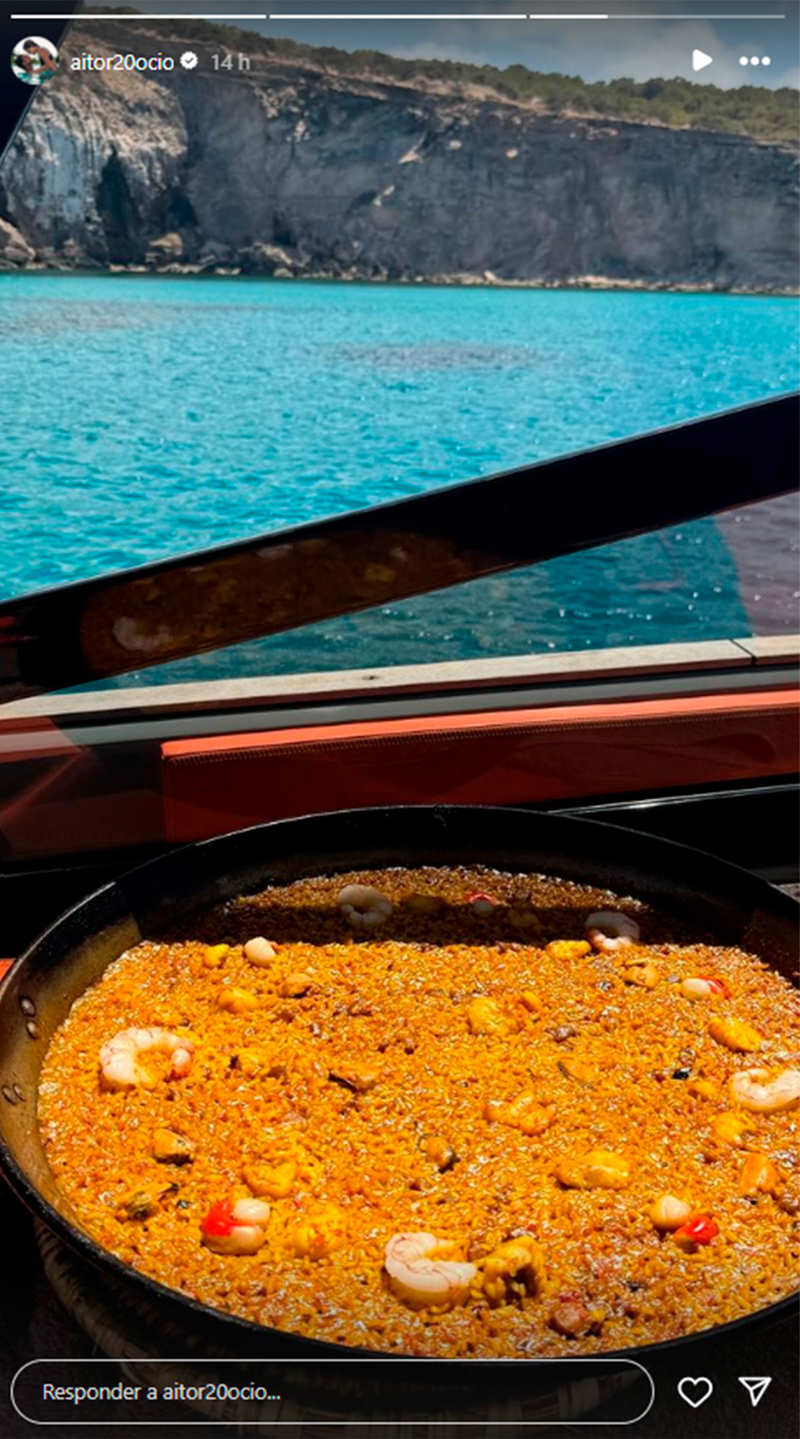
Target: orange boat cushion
[[513, 756]]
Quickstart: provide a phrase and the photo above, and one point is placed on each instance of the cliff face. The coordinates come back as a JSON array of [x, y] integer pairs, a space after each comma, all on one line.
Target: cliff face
[[305, 171]]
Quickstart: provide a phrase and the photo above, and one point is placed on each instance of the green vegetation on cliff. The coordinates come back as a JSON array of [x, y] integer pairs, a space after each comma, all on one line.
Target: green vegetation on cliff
[[678, 103]]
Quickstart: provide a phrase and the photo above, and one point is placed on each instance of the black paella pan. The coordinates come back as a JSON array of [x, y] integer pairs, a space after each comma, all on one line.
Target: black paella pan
[[720, 902]]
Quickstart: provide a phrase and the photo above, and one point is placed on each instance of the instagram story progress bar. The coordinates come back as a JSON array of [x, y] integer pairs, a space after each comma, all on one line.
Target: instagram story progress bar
[[149, 15], [437, 15]]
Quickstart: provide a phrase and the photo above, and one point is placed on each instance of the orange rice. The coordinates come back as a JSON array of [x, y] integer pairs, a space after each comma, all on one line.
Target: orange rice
[[388, 1102]]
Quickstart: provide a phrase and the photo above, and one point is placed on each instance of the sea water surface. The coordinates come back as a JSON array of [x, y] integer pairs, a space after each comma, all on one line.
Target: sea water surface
[[144, 416]]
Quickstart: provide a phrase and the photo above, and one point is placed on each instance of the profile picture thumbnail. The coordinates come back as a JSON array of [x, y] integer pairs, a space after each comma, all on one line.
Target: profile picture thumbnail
[[34, 60]]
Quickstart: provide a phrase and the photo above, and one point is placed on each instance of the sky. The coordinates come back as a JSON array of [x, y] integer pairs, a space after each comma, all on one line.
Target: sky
[[594, 49]]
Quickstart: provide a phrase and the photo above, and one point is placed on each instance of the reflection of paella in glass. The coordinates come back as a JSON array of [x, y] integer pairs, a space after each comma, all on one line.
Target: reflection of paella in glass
[[34, 60], [439, 1111]]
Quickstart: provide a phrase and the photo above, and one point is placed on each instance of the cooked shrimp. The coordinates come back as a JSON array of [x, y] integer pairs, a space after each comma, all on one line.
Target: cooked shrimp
[[753, 1089], [421, 1280], [363, 906], [120, 1065], [610, 930], [235, 1226]]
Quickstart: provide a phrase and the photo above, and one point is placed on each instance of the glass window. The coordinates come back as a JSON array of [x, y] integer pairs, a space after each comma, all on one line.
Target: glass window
[[714, 579], [199, 343]]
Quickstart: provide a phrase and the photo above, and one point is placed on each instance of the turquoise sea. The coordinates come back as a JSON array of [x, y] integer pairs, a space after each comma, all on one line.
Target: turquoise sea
[[144, 415]]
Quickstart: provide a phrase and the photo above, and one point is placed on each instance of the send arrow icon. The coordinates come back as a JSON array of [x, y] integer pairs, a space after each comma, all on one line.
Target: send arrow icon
[[756, 1386], [700, 59]]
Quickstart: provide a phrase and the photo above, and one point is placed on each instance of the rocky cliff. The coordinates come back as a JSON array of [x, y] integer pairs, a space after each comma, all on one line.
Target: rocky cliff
[[296, 168]]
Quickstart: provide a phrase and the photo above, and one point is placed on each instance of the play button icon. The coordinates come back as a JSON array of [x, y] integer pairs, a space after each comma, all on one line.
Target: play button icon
[[700, 59]]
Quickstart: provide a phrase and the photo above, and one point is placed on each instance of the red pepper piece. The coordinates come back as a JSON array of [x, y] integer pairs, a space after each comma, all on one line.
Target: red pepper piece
[[715, 985], [698, 1229], [479, 894], [219, 1220]]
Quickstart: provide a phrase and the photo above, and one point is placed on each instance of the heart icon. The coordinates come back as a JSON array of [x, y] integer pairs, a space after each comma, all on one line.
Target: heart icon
[[695, 1391]]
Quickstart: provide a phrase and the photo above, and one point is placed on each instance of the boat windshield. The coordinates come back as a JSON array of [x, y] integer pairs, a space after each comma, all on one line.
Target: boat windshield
[[255, 276]]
